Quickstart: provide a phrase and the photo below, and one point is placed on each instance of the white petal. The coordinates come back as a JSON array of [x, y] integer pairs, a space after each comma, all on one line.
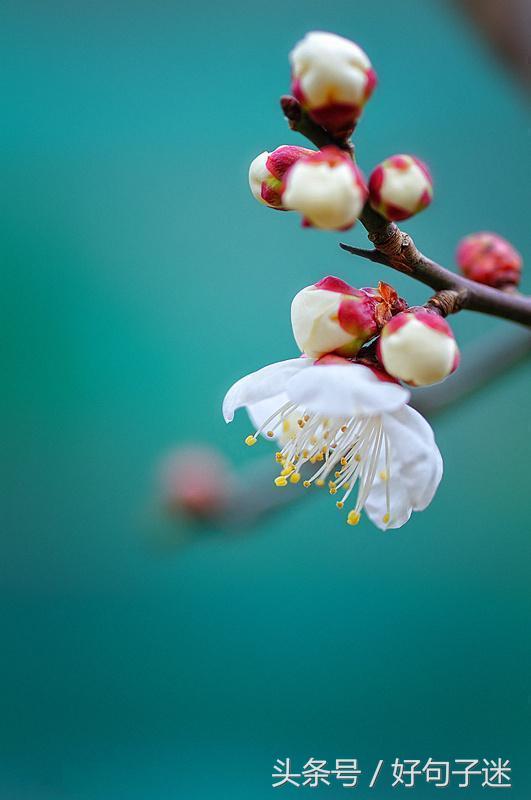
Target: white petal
[[264, 409], [415, 471], [266, 382], [344, 391]]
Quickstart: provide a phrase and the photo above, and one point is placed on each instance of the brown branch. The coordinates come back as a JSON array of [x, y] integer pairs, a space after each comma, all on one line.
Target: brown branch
[[397, 250], [299, 121]]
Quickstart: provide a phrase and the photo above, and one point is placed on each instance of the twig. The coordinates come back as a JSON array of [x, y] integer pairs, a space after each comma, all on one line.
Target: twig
[[397, 250]]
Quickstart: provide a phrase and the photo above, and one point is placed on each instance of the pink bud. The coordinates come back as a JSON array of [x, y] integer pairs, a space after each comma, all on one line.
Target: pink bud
[[267, 171], [332, 79], [326, 188], [418, 347], [400, 187], [333, 317], [490, 259], [195, 480]]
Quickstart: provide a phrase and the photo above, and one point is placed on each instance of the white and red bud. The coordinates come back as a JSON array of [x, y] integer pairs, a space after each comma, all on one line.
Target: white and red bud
[[418, 347], [332, 317], [400, 187], [490, 259], [332, 78], [267, 172], [326, 188]]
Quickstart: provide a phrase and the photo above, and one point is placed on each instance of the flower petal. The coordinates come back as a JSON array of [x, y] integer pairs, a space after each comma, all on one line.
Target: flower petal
[[344, 391], [415, 471], [262, 384], [261, 411]]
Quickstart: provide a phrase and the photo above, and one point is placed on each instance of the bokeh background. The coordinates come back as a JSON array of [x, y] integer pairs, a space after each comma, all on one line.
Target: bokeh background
[[145, 659]]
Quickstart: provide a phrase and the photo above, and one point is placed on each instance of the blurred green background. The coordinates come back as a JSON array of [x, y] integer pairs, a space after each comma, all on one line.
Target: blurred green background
[[141, 279]]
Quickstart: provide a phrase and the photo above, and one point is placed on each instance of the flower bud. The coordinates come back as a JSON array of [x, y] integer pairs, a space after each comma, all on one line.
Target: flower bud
[[267, 172], [332, 78], [400, 186], [332, 317], [488, 258], [326, 188], [418, 347]]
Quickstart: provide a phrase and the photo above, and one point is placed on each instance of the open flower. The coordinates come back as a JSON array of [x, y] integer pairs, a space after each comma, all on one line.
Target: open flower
[[326, 188], [267, 171], [400, 187], [332, 79], [351, 424], [418, 347]]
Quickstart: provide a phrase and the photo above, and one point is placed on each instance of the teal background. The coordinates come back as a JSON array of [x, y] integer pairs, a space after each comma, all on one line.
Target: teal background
[[140, 281]]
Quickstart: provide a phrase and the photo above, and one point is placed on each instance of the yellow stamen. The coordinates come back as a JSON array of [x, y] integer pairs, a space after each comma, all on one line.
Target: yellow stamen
[[295, 477], [383, 474], [357, 457], [344, 462], [281, 481], [353, 517], [319, 482], [333, 490], [307, 483], [270, 434], [250, 440], [386, 518]]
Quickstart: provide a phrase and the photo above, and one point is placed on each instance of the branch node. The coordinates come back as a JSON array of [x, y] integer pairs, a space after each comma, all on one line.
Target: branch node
[[447, 301]]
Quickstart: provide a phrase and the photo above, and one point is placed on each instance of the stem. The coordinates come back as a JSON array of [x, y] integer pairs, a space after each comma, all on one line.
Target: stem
[[396, 249]]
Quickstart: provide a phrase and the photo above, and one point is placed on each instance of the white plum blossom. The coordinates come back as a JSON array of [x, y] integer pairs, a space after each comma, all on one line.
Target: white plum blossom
[[418, 347], [332, 79], [352, 424], [326, 188], [400, 187]]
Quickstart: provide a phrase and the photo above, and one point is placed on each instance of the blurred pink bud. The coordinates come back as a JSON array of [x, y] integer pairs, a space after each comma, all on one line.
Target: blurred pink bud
[[490, 259], [267, 171], [418, 347], [400, 187], [332, 78], [195, 480]]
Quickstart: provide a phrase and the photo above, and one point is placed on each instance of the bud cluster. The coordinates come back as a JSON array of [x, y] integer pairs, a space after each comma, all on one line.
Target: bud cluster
[[332, 80], [333, 319]]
